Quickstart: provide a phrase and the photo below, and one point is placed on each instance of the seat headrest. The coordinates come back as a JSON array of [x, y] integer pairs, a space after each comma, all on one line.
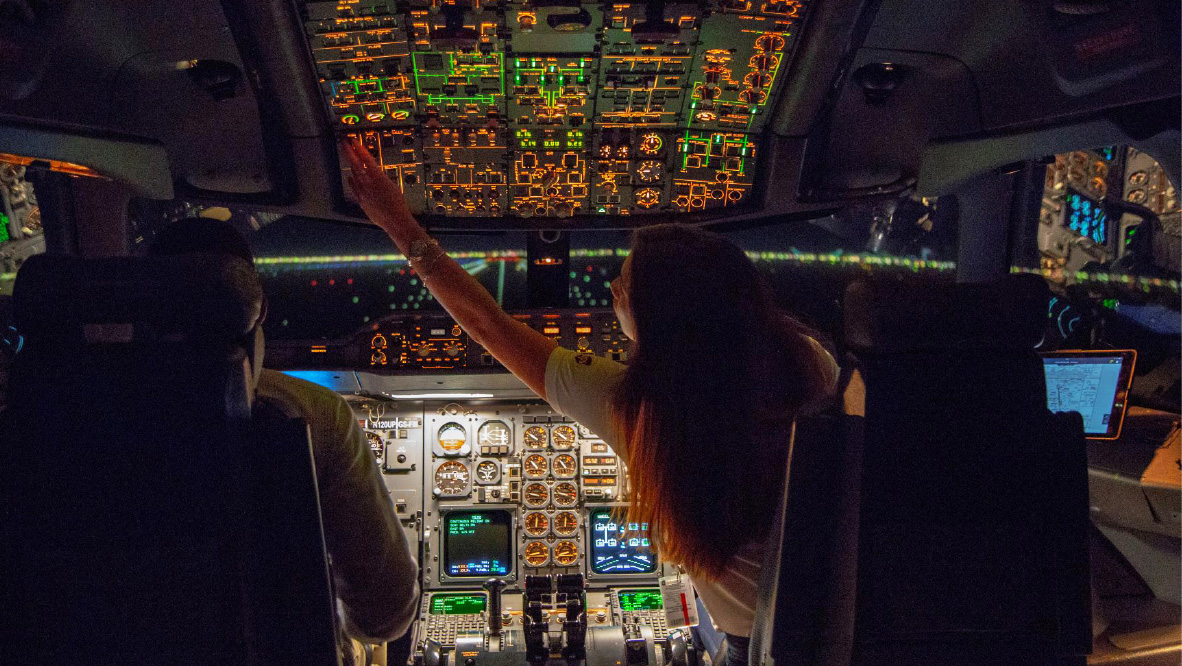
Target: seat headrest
[[200, 299], [911, 316]]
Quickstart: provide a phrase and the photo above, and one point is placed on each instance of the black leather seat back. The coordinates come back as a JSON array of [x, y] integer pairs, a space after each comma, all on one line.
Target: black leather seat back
[[129, 462], [972, 526], [942, 519]]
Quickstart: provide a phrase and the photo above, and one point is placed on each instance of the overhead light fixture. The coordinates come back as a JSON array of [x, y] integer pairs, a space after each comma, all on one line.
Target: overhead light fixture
[[438, 396]]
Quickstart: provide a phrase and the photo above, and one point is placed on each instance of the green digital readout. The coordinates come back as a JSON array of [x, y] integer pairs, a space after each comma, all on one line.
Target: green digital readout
[[461, 604], [640, 600]]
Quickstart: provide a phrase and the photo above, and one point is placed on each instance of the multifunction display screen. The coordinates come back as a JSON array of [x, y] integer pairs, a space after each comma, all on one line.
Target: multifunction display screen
[[618, 547], [477, 543], [640, 600], [457, 604]]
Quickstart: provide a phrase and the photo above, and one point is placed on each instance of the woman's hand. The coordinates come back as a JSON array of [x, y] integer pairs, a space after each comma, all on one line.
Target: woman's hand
[[379, 197]]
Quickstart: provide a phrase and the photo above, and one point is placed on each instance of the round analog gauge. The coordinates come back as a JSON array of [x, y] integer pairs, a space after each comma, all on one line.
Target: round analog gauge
[[650, 144], [647, 198], [488, 472], [650, 171], [536, 495], [566, 494], [565, 466], [451, 479], [566, 523], [375, 444], [566, 553], [536, 554], [536, 524], [452, 438], [605, 151], [535, 437], [493, 433], [535, 466], [563, 437]]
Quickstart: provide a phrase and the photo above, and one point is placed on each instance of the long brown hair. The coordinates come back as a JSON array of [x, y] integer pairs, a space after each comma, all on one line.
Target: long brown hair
[[718, 374]]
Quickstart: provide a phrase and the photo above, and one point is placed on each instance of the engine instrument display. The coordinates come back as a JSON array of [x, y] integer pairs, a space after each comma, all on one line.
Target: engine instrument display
[[535, 437], [536, 495], [537, 524], [515, 110], [565, 466], [563, 438], [535, 466], [619, 548], [566, 494], [457, 604], [566, 553], [536, 554], [566, 523], [477, 543]]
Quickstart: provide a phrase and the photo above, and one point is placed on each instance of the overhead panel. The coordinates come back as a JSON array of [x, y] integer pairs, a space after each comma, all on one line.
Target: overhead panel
[[556, 109]]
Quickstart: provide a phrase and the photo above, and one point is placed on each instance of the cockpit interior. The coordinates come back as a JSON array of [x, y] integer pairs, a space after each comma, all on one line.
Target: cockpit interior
[[974, 205]]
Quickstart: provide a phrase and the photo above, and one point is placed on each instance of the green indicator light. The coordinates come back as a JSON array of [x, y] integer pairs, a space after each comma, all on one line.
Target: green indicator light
[[356, 299], [586, 278]]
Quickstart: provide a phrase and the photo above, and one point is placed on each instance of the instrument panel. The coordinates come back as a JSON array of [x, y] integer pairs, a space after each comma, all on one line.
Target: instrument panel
[[529, 109], [504, 489]]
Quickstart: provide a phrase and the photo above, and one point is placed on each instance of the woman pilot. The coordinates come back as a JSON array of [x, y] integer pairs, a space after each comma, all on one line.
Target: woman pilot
[[702, 414]]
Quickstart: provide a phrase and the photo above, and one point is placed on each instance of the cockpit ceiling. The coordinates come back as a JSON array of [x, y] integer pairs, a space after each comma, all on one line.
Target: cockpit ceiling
[[571, 113]]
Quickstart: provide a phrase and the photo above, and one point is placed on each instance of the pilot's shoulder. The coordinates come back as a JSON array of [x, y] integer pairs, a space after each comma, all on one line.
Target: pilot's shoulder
[[307, 398]]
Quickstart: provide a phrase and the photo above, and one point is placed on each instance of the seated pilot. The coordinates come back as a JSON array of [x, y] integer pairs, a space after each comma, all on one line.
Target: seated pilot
[[374, 572]]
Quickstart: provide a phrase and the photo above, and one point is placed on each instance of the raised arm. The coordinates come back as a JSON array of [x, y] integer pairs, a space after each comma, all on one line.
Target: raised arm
[[518, 347]]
